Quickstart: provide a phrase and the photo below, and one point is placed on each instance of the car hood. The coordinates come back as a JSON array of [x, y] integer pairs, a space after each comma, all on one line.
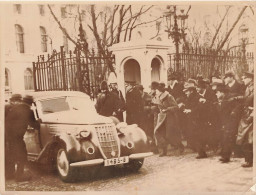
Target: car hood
[[75, 117]]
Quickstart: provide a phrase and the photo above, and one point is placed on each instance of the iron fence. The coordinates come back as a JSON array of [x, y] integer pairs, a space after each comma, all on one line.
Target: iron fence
[[73, 71], [207, 62]]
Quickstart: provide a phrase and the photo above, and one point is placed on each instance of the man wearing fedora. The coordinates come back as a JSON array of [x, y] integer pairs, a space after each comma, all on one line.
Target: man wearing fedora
[[167, 130], [245, 127], [17, 121], [134, 104], [195, 114], [9, 164], [211, 132]]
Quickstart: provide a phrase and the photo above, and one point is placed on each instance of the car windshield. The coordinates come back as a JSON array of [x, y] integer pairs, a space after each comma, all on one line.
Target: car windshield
[[61, 104]]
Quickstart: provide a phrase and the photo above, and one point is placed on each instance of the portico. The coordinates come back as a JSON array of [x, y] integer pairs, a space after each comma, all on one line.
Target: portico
[[141, 61]]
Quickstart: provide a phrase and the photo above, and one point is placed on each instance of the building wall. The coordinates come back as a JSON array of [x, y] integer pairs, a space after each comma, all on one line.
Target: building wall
[[30, 20]]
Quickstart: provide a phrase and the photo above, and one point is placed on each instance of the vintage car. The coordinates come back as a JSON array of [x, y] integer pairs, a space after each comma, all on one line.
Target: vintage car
[[72, 135]]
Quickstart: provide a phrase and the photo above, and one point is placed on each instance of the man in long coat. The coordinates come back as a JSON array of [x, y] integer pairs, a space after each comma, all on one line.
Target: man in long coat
[[167, 130], [211, 130], [17, 121], [107, 103], [9, 161], [134, 104], [245, 128], [196, 120], [235, 90]]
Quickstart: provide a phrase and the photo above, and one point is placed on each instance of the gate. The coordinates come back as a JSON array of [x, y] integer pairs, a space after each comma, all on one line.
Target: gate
[[207, 62], [81, 70]]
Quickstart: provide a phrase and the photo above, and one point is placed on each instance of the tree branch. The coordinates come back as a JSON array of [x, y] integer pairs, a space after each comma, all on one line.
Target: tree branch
[[231, 29], [60, 26], [218, 29]]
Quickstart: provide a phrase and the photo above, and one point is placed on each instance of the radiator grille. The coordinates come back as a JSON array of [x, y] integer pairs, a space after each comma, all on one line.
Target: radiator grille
[[107, 138]]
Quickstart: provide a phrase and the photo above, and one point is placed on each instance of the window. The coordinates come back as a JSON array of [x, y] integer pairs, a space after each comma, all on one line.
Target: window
[[41, 10], [65, 43], [7, 79], [17, 8], [63, 12], [28, 79], [43, 39], [19, 38]]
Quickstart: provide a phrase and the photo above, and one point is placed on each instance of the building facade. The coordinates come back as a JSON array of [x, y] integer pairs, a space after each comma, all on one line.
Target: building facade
[[28, 32]]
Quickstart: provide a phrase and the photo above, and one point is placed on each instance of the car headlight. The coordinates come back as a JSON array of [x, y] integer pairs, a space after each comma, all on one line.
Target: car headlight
[[85, 134]]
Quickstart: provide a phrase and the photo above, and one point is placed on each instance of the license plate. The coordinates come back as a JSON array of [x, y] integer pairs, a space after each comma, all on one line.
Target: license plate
[[116, 161]]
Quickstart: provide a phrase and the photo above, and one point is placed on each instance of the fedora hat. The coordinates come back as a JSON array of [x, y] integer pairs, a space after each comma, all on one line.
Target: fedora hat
[[188, 86]]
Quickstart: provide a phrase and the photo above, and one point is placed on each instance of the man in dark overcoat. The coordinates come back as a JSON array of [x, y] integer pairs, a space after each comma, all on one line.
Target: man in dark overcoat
[[175, 87], [17, 122], [134, 104], [146, 115], [113, 87], [194, 111], [225, 109], [245, 128], [167, 130], [107, 103], [235, 91], [211, 130], [9, 162]]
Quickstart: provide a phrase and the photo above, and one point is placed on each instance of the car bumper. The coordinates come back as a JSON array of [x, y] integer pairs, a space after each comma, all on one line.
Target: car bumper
[[93, 162]]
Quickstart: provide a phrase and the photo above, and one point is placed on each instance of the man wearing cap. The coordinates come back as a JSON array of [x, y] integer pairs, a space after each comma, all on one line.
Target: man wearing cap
[[235, 92], [17, 121], [10, 170], [225, 108], [245, 127], [134, 104], [167, 130]]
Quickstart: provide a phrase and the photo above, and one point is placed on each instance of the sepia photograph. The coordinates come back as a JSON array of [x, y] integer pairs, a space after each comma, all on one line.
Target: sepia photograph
[[127, 97]]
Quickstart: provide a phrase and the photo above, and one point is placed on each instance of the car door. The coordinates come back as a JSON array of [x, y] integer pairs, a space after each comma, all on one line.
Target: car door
[[32, 139]]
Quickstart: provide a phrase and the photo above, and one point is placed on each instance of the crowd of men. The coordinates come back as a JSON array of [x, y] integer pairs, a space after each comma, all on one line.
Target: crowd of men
[[214, 114]]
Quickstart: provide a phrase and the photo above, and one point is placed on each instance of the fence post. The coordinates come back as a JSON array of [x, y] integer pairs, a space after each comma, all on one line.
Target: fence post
[[34, 76], [63, 66]]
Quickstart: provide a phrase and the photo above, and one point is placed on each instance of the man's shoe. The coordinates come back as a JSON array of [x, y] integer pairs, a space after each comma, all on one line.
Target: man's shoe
[[201, 155], [247, 165], [225, 160], [162, 152]]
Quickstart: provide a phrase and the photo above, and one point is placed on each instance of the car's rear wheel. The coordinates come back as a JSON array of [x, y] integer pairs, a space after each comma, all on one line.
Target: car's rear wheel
[[66, 172], [134, 165]]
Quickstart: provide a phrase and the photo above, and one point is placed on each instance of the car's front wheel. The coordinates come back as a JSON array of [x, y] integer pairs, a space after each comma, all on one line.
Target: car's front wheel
[[134, 165], [66, 172]]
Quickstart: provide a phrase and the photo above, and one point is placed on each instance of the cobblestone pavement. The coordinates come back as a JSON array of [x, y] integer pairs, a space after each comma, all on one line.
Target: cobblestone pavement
[[179, 173]]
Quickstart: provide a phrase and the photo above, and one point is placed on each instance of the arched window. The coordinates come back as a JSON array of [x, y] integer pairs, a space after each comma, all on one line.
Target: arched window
[[28, 79], [43, 39], [7, 80], [19, 38]]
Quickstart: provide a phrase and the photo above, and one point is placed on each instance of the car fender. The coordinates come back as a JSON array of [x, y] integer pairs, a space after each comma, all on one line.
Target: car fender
[[76, 150], [133, 140]]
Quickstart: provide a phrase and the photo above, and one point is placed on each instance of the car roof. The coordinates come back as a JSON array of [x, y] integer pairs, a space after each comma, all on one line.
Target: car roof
[[51, 94]]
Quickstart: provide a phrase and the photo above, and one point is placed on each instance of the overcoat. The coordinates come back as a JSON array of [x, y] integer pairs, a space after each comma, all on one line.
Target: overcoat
[[134, 106], [245, 127], [107, 103], [170, 118]]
